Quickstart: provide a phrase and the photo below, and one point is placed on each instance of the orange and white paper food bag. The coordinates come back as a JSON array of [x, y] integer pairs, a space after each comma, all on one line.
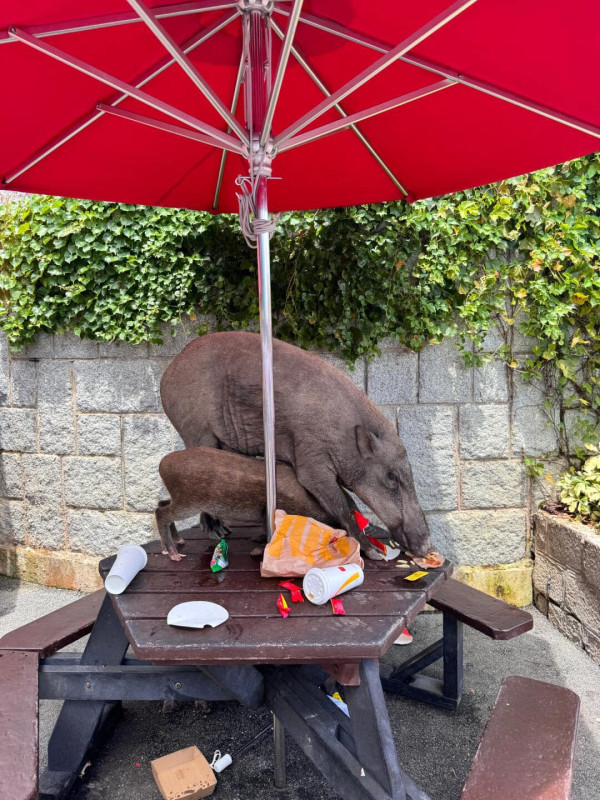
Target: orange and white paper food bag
[[301, 543]]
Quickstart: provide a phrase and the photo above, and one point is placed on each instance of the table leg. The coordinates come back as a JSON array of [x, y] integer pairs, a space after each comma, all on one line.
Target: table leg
[[408, 680], [80, 721], [356, 755], [279, 754]]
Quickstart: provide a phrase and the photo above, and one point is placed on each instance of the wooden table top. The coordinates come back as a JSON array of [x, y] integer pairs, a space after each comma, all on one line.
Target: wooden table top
[[255, 632]]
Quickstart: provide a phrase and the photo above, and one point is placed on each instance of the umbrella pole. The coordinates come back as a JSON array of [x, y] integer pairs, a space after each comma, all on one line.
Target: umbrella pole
[[266, 340]]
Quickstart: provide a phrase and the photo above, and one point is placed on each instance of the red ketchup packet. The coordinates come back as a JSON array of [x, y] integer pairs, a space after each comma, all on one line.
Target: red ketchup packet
[[283, 607], [338, 606], [363, 523], [295, 591]]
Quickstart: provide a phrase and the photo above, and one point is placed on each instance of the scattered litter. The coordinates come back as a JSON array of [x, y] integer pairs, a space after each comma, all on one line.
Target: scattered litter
[[197, 614], [337, 699], [85, 768], [431, 560], [219, 558], [415, 576], [405, 637], [283, 607], [362, 773], [221, 762], [320, 585], [294, 590], [185, 773], [338, 606], [137, 763]]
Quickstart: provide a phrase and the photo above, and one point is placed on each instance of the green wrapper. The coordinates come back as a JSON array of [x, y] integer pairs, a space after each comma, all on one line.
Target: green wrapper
[[219, 558]]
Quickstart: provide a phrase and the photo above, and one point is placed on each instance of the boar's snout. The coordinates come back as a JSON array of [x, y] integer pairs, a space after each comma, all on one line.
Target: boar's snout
[[387, 486], [414, 531]]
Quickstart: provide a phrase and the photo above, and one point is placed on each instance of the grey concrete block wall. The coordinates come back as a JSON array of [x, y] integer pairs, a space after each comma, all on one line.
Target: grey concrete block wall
[[82, 432]]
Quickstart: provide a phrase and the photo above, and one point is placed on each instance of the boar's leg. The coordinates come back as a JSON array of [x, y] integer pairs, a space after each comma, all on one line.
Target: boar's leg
[[166, 527], [322, 484], [208, 523], [213, 526]]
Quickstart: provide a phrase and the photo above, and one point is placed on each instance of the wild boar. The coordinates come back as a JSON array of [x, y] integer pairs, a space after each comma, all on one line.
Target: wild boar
[[327, 429], [227, 486]]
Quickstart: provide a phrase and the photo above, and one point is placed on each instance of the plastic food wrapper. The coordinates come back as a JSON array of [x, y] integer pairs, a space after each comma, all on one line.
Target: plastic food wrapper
[[283, 607], [432, 560], [416, 576], [390, 552], [295, 591], [219, 558], [337, 606], [301, 543]]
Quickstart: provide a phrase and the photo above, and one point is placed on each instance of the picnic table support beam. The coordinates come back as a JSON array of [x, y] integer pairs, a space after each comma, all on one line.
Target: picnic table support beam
[[356, 755], [279, 774], [81, 722], [408, 680]]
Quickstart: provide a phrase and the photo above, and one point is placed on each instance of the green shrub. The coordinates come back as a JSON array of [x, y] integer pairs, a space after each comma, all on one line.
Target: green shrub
[[580, 489], [522, 255]]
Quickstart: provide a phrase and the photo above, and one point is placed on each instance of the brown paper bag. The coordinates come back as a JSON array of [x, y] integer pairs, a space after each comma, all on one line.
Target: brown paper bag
[[301, 543]]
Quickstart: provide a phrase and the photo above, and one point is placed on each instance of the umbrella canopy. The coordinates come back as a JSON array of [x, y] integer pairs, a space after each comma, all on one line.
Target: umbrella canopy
[[443, 96], [138, 101]]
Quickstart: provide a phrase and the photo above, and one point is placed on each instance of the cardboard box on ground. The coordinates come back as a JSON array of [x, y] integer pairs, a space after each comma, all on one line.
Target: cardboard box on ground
[[184, 774]]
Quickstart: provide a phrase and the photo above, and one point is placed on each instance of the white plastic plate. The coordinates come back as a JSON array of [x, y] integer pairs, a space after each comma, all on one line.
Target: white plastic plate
[[197, 614]]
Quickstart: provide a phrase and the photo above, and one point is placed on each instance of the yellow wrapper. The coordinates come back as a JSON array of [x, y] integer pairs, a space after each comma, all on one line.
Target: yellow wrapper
[[415, 576]]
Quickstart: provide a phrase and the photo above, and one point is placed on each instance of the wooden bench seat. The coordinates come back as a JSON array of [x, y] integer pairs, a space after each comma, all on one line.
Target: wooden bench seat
[[486, 614], [528, 746], [20, 653], [460, 605], [18, 725], [53, 631]]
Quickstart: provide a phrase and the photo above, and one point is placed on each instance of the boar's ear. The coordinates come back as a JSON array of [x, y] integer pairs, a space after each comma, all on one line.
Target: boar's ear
[[366, 442]]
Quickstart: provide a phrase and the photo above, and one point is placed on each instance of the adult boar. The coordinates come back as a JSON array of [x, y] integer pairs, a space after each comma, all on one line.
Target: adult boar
[[326, 428]]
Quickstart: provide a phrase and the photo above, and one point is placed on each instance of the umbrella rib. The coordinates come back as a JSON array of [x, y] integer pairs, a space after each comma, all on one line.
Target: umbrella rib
[[92, 116], [190, 70], [234, 103], [168, 127], [473, 83], [424, 32], [125, 18], [507, 97], [283, 61], [355, 129], [359, 116], [329, 26], [122, 86]]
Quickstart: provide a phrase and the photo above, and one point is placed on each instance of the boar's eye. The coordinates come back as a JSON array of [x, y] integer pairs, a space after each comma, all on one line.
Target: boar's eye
[[393, 477]]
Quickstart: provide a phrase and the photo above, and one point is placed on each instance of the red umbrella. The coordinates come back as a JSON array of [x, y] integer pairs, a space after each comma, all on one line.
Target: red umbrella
[[344, 103]]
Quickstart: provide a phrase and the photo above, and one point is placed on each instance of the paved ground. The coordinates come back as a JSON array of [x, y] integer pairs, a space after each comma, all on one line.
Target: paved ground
[[434, 746]]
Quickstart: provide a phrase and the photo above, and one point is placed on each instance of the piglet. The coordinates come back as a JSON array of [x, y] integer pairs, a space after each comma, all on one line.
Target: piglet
[[220, 485]]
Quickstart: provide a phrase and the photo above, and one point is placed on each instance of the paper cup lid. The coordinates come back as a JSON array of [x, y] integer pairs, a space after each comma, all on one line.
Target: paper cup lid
[[197, 614]]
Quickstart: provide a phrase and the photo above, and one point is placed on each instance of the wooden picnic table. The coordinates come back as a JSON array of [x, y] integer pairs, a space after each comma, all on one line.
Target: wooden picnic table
[[255, 632], [258, 656], [255, 658]]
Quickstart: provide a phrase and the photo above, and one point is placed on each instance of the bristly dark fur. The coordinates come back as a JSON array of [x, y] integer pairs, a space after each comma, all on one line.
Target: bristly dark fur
[[327, 429]]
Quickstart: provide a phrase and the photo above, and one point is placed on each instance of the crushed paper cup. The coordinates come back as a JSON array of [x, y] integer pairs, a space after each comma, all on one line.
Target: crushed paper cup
[[130, 560]]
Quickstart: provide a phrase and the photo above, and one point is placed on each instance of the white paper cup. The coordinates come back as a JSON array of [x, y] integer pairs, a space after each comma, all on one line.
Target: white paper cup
[[320, 585], [129, 561]]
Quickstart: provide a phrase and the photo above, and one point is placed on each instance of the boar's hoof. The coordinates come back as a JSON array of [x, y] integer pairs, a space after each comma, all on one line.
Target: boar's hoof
[[173, 555]]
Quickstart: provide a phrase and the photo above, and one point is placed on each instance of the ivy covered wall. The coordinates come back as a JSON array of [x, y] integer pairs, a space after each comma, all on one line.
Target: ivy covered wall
[[522, 254]]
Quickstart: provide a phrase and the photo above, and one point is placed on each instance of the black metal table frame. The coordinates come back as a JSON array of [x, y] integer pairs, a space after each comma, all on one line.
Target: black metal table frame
[[356, 754]]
